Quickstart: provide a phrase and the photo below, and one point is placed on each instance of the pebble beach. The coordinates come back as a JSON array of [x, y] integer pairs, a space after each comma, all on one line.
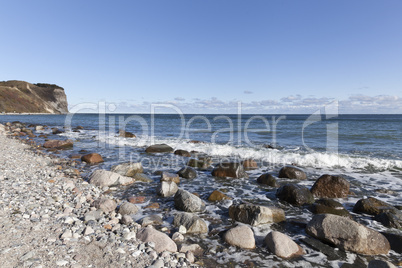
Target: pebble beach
[[46, 218]]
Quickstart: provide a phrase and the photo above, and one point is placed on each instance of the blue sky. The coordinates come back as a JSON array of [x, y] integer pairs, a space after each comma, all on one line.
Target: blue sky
[[207, 56]]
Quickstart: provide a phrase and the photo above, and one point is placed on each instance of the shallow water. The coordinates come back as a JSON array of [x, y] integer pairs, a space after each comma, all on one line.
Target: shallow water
[[366, 150]]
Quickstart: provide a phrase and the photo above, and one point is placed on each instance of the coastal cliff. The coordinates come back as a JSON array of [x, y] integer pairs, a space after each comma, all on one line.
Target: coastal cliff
[[23, 97]]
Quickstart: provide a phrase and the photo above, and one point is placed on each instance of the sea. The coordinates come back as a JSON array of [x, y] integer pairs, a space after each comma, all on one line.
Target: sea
[[366, 149]]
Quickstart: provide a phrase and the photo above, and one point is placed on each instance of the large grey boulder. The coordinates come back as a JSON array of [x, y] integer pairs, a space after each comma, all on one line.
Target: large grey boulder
[[105, 204], [128, 169], [193, 223], [185, 201], [162, 241], [282, 245], [240, 236], [159, 148], [372, 206], [347, 234], [256, 214], [101, 178], [128, 208]]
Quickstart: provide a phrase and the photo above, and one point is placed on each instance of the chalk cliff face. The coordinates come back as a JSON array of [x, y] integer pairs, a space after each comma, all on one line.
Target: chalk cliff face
[[24, 97]]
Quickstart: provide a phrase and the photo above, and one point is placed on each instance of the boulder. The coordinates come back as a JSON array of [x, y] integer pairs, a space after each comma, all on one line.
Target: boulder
[[128, 169], [39, 128], [329, 206], [390, 219], [231, 169], [329, 186], [200, 163], [92, 158], [59, 144], [295, 194], [187, 173], [395, 241], [56, 131], [159, 148], [291, 172], [372, 206], [166, 189], [218, 196], [128, 208], [347, 234], [194, 248], [166, 176], [162, 241], [267, 179], [193, 223], [185, 201], [240, 236], [256, 214], [126, 134], [282, 245], [182, 153], [150, 220], [105, 204], [250, 164], [101, 178]]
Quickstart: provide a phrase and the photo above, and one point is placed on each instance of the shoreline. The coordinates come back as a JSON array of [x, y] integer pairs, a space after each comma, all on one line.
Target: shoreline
[[47, 218]]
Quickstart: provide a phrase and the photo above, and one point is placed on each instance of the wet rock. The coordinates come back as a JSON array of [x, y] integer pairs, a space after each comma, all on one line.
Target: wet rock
[[101, 178], [142, 177], [167, 189], [150, 220], [250, 164], [291, 172], [330, 187], [187, 173], [105, 204], [372, 206], [380, 264], [193, 223], [126, 134], [267, 179], [182, 153], [128, 169], [56, 131], [390, 219], [330, 252], [347, 234], [92, 158], [185, 201], [282, 245], [39, 128], [59, 144], [232, 170], [128, 208], [240, 236], [199, 163], [159, 148], [161, 240], [217, 196], [295, 194], [329, 206], [395, 241], [166, 176], [256, 214]]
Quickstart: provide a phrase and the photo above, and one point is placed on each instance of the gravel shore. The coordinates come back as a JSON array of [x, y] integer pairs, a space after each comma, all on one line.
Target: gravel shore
[[46, 219]]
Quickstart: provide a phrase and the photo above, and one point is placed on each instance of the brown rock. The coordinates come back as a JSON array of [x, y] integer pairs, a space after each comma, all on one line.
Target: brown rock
[[267, 179], [231, 169], [161, 240], [217, 196], [182, 153], [256, 214], [159, 148], [126, 134], [291, 172], [330, 187], [93, 158], [137, 199], [250, 164], [372, 206], [153, 206], [59, 144]]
